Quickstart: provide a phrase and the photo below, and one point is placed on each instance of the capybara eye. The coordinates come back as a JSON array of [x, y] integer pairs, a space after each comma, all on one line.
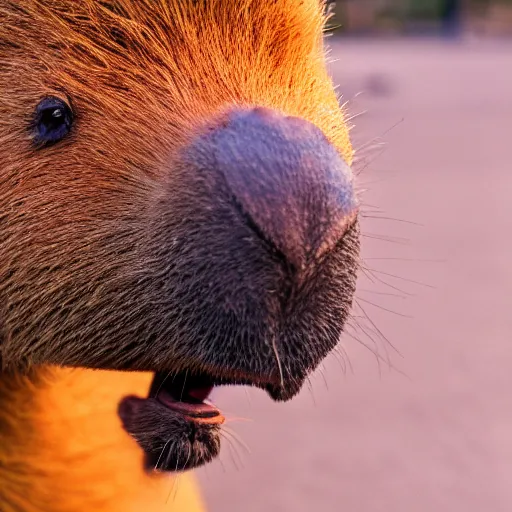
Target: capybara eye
[[53, 120]]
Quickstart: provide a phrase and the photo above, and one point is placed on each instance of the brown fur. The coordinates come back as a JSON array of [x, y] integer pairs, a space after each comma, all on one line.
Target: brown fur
[[98, 269]]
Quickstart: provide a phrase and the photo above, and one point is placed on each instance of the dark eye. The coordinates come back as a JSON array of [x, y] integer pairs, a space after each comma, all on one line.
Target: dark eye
[[53, 120]]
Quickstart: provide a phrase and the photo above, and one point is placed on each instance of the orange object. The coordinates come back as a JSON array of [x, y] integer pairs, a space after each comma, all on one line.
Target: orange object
[[63, 448]]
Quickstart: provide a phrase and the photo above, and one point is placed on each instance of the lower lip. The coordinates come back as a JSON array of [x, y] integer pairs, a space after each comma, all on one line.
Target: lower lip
[[215, 420], [200, 413]]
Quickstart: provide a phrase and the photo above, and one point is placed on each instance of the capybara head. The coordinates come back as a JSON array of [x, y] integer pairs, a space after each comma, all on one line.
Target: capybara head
[[175, 197]]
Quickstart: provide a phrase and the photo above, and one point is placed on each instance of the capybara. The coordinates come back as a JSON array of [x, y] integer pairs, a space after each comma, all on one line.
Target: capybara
[[177, 212]]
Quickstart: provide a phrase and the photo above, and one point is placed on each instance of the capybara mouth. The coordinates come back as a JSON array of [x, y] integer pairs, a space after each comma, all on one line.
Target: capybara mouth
[[176, 425]]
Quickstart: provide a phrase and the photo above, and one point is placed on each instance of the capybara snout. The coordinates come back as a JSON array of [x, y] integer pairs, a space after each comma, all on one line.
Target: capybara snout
[[175, 194], [262, 253], [287, 180]]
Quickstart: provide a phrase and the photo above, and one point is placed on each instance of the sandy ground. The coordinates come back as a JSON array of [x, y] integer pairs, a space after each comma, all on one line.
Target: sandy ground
[[434, 434]]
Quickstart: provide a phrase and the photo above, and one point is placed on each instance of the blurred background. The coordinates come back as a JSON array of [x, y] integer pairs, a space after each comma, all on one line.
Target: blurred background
[[379, 17], [413, 413]]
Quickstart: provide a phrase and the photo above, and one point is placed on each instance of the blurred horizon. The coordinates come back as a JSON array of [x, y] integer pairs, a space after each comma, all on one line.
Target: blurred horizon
[[483, 18]]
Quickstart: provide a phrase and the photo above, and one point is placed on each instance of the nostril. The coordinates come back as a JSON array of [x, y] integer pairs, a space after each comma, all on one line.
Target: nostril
[[269, 243]]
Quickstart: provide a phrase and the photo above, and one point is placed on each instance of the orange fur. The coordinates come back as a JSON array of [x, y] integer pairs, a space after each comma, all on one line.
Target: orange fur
[[62, 447], [66, 451]]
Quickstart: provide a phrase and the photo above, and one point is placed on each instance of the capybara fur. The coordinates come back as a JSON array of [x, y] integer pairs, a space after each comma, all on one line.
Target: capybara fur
[[177, 212]]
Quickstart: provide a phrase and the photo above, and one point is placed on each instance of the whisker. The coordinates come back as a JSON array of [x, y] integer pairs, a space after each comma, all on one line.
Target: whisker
[[374, 351], [377, 329], [184, 384], [351, 117], [222, 465], [176, 482], [383, 238], [387, 294], [371, 276], [361, 164], [379, 137], [364, 152], [377, 217], [321, 370], [384, 309], [340, 359], [233, 441], [310, 390], [163, 382], [232, 450], [237, 438], [248, 396], [276, 353], [416, 260], [161, 453], [372, 143], [365, 206], [369, 333], [419, 283], [174, 488]]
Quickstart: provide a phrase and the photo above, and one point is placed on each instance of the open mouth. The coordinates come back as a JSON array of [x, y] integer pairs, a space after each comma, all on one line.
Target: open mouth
[[177, 427], [187, 394]]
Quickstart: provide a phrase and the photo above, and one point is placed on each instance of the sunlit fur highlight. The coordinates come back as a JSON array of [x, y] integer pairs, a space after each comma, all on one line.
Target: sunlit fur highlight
[[154, 70]]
